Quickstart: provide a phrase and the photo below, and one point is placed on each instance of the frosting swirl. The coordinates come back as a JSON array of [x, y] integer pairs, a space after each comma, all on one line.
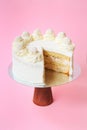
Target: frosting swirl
[[18, 44], [34, 55], [49, 35], [22, 52], [68, 44], [22, 46], [37, 35], [27, 37], [59, 37], [32, 50], [64, 42]]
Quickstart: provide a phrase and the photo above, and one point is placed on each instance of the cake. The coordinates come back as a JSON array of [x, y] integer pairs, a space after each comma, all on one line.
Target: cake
[[32, 53]]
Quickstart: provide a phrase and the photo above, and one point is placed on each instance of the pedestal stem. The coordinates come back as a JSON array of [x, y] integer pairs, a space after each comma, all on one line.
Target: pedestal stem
[[43, 96]]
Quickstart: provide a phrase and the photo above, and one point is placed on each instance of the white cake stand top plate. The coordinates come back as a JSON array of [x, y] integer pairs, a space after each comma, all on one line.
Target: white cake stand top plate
[[52, 78]]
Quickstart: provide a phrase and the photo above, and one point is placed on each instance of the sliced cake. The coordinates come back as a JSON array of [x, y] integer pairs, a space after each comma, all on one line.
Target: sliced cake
[[32, 53]]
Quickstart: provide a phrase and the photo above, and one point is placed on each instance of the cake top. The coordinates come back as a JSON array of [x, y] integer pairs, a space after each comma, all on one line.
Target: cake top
[[30, 44]]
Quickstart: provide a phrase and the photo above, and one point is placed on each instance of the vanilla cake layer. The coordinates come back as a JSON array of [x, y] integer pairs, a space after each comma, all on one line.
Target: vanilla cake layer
[[56, 55], [58, 68], [57, 62], [53, 60]]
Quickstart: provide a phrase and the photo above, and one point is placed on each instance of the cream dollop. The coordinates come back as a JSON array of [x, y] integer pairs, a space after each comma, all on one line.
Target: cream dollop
[[64, 42], [37, 35], [27, 37], [68, 43], [49, 35], [59, 37], [18, 44], [34, 55], [32, 50]]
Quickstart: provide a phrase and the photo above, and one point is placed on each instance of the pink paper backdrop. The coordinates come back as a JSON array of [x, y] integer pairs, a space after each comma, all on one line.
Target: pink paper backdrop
[[69, 110]]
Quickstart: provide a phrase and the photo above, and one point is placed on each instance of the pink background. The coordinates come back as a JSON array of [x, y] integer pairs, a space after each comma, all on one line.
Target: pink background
[[69, 109]]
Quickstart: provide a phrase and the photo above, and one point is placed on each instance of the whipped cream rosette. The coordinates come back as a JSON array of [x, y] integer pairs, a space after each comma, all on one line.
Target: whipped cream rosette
[[49, 35]]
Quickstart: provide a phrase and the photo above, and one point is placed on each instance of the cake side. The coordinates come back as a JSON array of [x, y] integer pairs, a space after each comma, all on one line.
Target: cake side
[[28, 72], [27, 62]]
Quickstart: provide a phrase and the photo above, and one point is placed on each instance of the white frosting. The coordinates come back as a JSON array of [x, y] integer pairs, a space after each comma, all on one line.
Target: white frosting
[[61, 43], [29, 67], [30, 55], [59, 37], [34, 58], [37, 35], [64, 42], [22, 52], [71, 66], [35, 54], [18, 44], [52, 46], [28, 72], [27, 37], [30, 51], [49, 35]]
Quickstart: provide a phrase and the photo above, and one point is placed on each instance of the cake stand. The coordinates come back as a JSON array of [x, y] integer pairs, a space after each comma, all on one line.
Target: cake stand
[[43, 94]]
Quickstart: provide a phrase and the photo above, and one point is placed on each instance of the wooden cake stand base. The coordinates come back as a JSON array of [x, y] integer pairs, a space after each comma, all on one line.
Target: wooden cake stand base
[[43, 96]]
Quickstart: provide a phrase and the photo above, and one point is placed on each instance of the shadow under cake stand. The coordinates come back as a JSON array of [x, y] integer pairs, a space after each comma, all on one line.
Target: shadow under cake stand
[[43, 94]]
